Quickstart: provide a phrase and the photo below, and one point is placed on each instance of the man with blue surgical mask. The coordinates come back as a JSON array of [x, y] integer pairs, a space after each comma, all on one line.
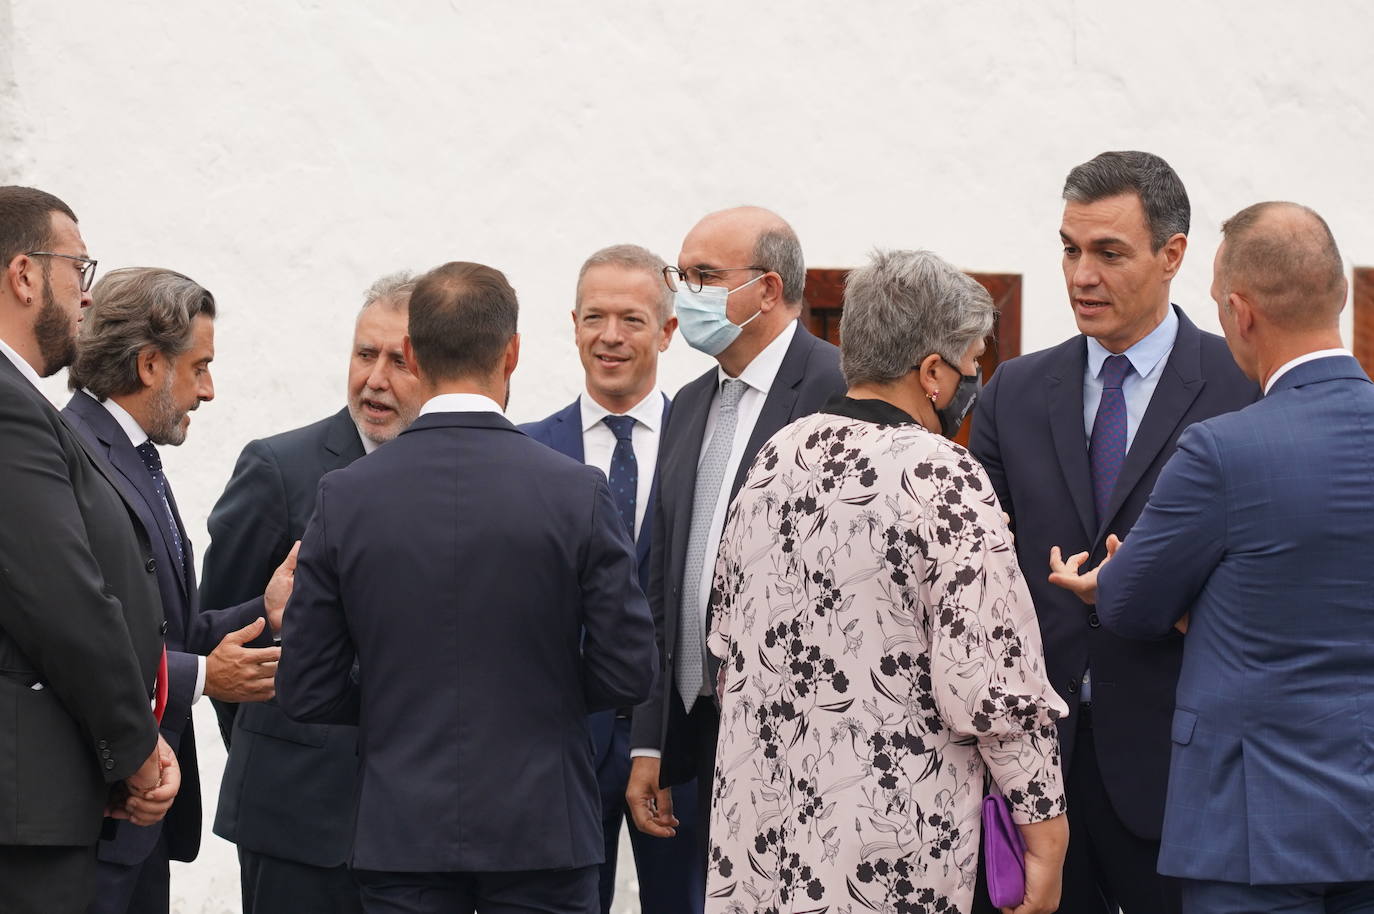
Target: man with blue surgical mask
[[737, 291]]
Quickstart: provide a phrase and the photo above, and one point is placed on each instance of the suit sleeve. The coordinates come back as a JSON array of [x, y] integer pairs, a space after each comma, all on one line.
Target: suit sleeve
[[54, 605], [1173, 547], [984, 445], [619, 662], [315, 681], [183, 669], [646, 725]]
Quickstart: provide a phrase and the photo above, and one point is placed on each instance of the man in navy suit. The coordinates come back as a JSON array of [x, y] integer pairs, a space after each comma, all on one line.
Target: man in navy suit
[[286, 799], [468, 596], [143, 365], [1257, 541], [1073, 438], [622, 319], [738, 295]]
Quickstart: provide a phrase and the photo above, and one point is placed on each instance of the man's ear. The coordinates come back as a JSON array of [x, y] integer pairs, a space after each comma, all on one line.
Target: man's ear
[[152, 366], [408, 353], [772, 292], [512, 355], [1173, 252], [20, 279], [1244, 312], [666, 334]]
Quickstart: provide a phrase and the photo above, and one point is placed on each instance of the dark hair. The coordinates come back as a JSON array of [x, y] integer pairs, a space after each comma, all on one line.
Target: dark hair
[[462, 315], [26, 220], [1149, 177], [1292, 267]]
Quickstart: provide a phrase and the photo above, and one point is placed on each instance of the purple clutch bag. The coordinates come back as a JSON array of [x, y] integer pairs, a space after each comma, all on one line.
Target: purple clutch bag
[[1004, 854]]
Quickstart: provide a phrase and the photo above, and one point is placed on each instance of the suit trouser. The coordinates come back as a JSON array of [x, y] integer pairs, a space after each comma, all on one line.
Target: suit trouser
[[46, 880], [570, 891], [272, 885], [669, 869], [704, 724], [141, 888], [1200, 897]]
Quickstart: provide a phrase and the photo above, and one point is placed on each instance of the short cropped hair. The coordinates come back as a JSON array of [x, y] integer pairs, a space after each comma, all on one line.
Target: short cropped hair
[[1161, 193], [778, 250], [903, 306], [392, 290], [26, 220], [631, 257], [131, 310], [1293, 269], [462, 316]]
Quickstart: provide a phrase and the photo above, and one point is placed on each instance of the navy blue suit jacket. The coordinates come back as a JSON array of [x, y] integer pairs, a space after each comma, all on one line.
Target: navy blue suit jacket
[[1260, 527], [1028, 434], [188, 632], [563, 432], [486, 586]]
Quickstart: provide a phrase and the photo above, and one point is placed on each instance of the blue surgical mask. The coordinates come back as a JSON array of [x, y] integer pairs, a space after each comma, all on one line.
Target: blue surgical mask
[[701, 317]]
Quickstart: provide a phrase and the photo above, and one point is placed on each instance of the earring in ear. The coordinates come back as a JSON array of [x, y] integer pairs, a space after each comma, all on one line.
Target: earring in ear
[[934, 395], [29, 300]]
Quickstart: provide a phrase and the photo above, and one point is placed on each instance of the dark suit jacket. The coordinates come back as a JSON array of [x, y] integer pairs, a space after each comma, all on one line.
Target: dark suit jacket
[[563, 432], [288, 787], [1028, 433], [809, 375], [486, 585], [176, 584], [79, 614], [1260, 527]]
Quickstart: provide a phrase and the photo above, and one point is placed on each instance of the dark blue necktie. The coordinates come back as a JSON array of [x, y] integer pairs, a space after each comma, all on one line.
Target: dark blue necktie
[[1107, 449], [624, 475], [153, 462]]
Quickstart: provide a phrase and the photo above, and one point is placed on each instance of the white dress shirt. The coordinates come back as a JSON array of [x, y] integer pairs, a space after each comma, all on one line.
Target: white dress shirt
[[1302, 360], [598, 443], [24, 367], [461, 403]]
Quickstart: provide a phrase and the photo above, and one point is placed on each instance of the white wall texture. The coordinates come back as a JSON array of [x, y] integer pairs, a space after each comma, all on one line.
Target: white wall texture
[[287, 153]]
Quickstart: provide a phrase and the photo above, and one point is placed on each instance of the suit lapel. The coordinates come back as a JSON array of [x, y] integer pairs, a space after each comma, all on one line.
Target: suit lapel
[[645, 536], [780, 403], [1180, 382], [565, 432], [342, 443], [1064, 391]]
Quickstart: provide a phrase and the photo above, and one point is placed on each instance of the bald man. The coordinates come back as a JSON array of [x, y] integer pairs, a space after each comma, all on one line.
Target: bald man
[[1256, 542], [737, 291]]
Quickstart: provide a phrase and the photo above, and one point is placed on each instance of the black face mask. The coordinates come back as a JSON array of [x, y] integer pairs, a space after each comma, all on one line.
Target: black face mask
[[965, 395]]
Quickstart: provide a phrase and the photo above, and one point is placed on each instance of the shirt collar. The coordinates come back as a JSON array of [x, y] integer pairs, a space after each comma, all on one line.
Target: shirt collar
[[121, 415], [647, 412], [1146, 354], [763, 370], [461, 403], [1302, 360], [21, 363]]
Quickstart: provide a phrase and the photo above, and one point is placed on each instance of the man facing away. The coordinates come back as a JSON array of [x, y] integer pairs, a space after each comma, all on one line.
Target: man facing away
[[1256, 541], [470, 596], [142, 366], [1073, 438], [622, 319], [288, 790], [80, 624], [738, 293]]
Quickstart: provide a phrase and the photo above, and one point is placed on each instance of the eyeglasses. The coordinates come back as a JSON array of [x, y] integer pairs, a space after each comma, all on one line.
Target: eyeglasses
[[694, 278], [87, 266]]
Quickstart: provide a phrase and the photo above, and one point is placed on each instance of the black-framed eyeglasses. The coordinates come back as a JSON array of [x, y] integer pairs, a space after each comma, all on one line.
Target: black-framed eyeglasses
[[694, 278], [87, 266]]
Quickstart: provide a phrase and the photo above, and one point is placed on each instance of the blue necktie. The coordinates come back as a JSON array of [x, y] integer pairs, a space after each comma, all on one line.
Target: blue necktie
[[153, 462], [1107, 449], [624, 475]]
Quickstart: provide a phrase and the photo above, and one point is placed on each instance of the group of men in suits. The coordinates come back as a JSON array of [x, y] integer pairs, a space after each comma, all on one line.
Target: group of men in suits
[[465, 550]]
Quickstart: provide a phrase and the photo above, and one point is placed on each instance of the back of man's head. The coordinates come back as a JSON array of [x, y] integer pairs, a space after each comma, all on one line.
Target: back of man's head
[[1161, 193], [462, 317], [26, 220], [1283, 257]]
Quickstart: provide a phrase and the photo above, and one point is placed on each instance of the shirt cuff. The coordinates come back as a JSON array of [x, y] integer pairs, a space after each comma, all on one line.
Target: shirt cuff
[[645, 753], [200, 680]]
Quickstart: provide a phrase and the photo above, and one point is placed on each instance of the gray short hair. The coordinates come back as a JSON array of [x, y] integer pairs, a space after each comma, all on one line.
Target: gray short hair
[[392, 290], [131, 310], [779, 251], [904, 306], [631, 257], [1291, 267], [1161, 193]]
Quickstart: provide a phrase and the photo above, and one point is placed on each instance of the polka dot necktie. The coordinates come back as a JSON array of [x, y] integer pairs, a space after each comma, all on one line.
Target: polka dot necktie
[[1107, 448], [690, 670], [153, 462], [624, 475]]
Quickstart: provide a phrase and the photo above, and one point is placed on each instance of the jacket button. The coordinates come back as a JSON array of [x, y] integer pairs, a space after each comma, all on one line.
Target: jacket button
[[163, 628], [150, 566], [1073, 686], [104, 753], [103, 743], [1094, 621], [109, 764]]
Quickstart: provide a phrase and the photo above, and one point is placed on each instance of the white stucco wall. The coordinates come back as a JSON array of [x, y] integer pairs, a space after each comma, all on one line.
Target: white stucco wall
[[285, 154]]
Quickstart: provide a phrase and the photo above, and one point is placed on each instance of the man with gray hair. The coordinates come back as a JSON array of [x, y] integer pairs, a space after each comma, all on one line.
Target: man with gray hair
[[1073, 438], [622, 319], [142, 365], [288, 790]]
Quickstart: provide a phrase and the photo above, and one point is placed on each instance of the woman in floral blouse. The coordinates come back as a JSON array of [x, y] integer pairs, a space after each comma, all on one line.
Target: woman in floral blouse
[[880, 654]]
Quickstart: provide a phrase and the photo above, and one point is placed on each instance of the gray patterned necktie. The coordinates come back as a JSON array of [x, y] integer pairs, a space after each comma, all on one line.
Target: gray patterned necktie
[[690, 672]]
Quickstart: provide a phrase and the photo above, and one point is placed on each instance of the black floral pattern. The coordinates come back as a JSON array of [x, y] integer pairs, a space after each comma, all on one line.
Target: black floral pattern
[[880, 653]]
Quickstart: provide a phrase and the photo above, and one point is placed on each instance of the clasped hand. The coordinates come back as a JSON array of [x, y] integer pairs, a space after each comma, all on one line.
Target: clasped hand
[[145, 796]]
